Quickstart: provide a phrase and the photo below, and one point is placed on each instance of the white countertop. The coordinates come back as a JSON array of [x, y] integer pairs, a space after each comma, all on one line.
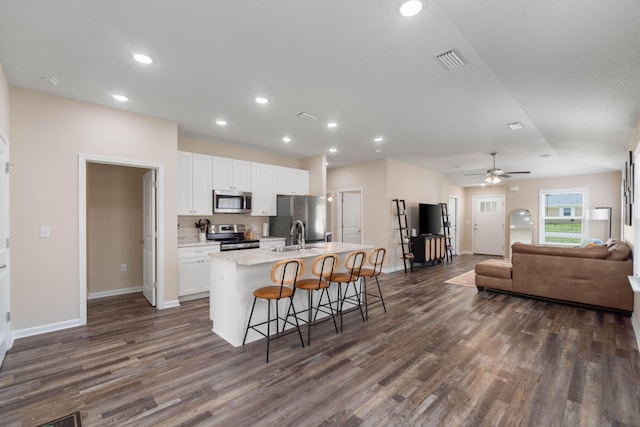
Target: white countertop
[[263, 256]]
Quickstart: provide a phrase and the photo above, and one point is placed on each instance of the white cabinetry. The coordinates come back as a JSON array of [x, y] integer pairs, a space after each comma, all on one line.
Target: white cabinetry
[[194, 270], [263, 189], [292, 181], [271, 243], [231, 174], [194, 184]]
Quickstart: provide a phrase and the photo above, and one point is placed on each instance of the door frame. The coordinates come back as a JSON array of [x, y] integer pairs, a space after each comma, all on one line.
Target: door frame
[[83, 159], [5, 300], [340, 212]]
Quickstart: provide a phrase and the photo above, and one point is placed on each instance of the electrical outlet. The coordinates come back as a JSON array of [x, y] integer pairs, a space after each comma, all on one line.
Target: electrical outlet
[[123, 267], [45, 231]]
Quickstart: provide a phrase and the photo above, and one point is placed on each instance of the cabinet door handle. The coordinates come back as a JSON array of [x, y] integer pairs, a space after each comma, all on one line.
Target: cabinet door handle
[[3, 266]]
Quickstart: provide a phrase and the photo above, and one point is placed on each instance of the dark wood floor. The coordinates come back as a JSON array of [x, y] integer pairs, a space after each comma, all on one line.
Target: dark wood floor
[[442, 355]]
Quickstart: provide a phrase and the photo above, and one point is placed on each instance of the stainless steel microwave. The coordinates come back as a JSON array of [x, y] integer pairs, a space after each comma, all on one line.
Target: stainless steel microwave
[[227, 201]]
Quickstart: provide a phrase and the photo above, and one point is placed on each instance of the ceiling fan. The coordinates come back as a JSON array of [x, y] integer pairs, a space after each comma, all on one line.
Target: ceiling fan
[[496, 175]]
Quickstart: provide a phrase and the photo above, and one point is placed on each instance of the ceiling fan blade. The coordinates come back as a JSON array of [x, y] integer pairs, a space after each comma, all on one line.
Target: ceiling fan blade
[[504, 176], [518, 172]]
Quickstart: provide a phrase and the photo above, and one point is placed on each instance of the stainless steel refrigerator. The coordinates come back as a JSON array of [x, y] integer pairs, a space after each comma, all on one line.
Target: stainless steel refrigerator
[[311, 210]]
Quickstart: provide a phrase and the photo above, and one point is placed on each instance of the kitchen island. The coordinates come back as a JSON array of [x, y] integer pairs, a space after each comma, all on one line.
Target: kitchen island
[[236, 274]]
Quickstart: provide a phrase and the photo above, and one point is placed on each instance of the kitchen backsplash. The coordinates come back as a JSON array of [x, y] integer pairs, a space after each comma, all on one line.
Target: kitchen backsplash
[[187, 224]]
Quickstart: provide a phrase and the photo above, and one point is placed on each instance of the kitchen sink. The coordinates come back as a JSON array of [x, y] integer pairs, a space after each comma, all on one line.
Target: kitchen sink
[[297, 248]]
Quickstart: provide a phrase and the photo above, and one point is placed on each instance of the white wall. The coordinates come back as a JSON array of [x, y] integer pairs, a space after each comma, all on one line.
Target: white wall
[[382, 181], [47, 135]]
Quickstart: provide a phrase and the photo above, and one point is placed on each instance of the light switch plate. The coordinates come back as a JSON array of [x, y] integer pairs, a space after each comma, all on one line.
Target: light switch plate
[[45, 231]]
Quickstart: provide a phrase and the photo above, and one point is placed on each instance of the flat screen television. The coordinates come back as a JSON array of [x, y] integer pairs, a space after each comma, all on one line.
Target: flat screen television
[[429, 219]]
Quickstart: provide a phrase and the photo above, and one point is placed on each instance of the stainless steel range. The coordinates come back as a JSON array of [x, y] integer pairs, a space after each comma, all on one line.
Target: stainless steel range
[[231, 237]]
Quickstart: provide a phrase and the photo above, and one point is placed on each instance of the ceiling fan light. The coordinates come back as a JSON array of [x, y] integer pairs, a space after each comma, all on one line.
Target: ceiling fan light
[[493, 179], [410, 8]]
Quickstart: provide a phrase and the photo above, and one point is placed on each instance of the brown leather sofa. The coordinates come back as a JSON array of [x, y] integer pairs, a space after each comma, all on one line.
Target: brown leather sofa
[[595, 276]]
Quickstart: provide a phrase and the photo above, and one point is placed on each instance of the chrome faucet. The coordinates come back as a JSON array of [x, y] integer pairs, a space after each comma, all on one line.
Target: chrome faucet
[[297, 228]]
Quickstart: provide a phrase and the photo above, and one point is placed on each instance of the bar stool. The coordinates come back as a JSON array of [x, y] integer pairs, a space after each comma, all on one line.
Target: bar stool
[[323, 268], [376, 258], [353, 263], [284, 274]]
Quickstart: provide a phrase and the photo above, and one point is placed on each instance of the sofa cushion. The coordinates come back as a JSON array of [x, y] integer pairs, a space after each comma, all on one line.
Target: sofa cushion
[[494, 268], [595, 252], [619, 252]]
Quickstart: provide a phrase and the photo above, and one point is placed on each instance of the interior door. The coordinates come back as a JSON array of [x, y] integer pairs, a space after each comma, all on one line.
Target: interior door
[[149, 237], [488, 225], [351, 217], [4, 250]]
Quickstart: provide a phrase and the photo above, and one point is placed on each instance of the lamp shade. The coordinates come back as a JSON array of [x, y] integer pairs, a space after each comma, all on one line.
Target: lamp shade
[[599, 214]]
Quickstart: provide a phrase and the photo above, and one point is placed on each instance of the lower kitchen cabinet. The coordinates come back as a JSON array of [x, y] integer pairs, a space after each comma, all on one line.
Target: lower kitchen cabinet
[[271, 243], [194, 270]]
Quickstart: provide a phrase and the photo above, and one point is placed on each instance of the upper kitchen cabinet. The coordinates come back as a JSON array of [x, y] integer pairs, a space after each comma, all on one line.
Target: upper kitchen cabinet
[[263, 190], [292, 181], [195, 177], [231, 174]]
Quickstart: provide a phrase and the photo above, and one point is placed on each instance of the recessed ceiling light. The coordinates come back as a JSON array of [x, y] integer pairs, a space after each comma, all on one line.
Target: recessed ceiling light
[[332, 124], [261, 100], [120, 98], [286, 139], [515, 125], [378, 150], [142, 58], [333, 149], [50, 80], [221, 122], [378, 139], [410, 8]]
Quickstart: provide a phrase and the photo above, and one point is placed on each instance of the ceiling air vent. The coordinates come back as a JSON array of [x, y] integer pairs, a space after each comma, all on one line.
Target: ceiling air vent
[[306, 116], [451, 60]]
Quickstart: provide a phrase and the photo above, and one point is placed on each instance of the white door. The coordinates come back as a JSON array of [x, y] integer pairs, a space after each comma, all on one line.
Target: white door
[[149, 237], [488, 225], [452, 208], [351, 217], [4, 250]]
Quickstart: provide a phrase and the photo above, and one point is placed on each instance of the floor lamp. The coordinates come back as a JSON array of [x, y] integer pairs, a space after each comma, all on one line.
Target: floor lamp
[[602, 213]]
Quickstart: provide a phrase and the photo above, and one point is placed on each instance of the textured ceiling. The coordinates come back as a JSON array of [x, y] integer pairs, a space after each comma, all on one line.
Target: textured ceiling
[[567, 70]]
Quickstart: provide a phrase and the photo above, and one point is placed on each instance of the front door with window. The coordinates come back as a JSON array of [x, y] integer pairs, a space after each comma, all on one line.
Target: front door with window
[[488, 225]]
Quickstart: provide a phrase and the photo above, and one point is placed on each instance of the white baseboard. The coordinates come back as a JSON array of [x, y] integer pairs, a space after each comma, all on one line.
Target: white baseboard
[[52, 327], [191, 297], [636, 328], [169, 304], [112, 293]]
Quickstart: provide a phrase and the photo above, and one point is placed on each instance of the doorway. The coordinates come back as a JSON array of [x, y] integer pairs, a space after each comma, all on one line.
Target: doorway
[[350, 216], [488, 225], [156, 206]]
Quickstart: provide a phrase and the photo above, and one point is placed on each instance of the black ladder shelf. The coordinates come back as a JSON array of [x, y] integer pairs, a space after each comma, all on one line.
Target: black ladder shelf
[[403, 229], [446, 229]]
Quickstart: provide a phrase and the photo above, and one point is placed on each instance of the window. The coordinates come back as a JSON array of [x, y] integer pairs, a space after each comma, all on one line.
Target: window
[[562, 219], [568, 212], [489, 206]]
